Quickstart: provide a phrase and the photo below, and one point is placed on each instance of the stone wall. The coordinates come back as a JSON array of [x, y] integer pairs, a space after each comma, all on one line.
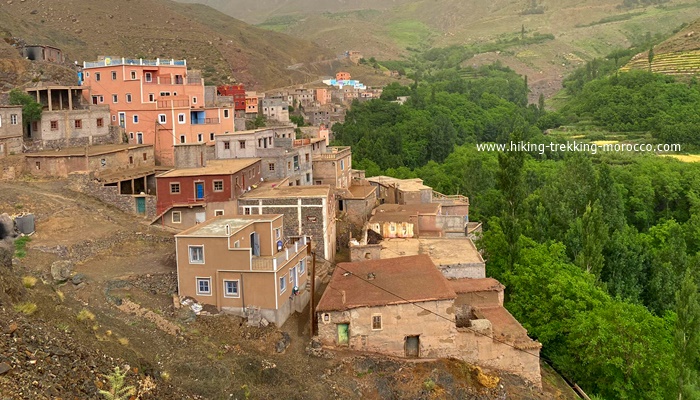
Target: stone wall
[[463, 270], [365, 252], [358, 210], [66, 135], [84, 182], [10, 145]]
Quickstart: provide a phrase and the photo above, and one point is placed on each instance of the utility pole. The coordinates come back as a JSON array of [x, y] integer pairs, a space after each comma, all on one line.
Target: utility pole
[[312, 308]]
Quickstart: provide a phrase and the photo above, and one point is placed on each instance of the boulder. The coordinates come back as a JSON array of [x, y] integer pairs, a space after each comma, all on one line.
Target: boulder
[[61, 270], [7, 227]]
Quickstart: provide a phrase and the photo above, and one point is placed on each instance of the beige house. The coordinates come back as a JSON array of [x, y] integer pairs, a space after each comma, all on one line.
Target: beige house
[[404, 307], [244, 262], [10, 130]]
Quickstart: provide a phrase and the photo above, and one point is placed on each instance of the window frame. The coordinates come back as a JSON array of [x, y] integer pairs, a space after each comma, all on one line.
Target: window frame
[[221, 181], [128, 97], [162, 119], [14, 119], [115, 98], [181, 118], [282, 283], [226, 113], [218, 213], [114, 75], [179, 218], [100, 122], [373, 322], [227, 145], [54, 125], [189, 253], [237, 293], [135, 118], [179, 188], [302, 266], [78, 124], [203, 279]]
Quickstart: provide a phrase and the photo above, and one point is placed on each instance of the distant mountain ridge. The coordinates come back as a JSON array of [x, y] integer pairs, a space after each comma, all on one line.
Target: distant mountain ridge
[[224, 48]]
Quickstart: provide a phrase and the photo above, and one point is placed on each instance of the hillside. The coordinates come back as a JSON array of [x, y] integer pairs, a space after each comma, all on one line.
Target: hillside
[[678, 55], [225, 48], [385, 28]]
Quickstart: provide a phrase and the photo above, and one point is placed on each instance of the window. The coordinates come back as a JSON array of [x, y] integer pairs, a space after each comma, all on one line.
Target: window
[[133, 75], [78, 123], [289, 165], [164, 94], [307, 157], [204, 286], [271, 166], [37, 165], [174, 188], [128, 97], [139, 137], [237, 244], [114, 75], [278, 233], [177, 217], [225, 113], [103, 162], [218, 213], [342, 165], [161, 118], [152, 97], [231, 288], [131, 159], [227, 145], [318, 183], [115, 98], [13, 119], [131, 135], [102, 99], [114, 118], [194, 99], [308, 177], [181, 118], [149, 77], [136, 119], [211, 136], [376, 322], [182, 138], [218, 186], [241, 144], [296, 163], [302, 267], [97, 76], [200, 137], [54, 125], [196, 254], [145, 157], [101, 122], [283, 284]]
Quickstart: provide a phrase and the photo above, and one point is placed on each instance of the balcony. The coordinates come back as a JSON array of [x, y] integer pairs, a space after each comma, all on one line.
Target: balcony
[[173, 103], [333, 153], [205, 121], [282, 258], [110, 61]]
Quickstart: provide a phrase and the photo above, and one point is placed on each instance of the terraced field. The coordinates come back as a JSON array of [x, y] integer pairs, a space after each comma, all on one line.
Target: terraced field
[[674, 63]]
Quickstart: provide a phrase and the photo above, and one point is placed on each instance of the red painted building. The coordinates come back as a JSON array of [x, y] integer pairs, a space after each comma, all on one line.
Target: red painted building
[[235, 91], [189, 196]]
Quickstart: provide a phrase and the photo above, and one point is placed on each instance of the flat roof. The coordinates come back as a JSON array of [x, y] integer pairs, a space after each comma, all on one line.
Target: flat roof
[[423, 208], [91, 150], [277, 189], [375, 283], [506, 328], [413, 184], [443, 251], [216, 227], [360, 191], [214, 167], [469, 285], [110, 176]]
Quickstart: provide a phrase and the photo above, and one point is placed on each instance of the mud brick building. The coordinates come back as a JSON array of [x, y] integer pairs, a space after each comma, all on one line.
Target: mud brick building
[[10, 130]]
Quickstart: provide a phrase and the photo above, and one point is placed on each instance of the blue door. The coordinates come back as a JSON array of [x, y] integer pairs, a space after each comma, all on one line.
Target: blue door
[[199, 190]]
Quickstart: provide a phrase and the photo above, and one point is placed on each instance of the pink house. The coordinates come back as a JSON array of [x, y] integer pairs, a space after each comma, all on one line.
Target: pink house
[[157, 102]]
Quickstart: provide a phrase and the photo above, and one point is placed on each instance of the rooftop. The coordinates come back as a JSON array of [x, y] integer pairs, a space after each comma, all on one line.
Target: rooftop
[[216, 227], [278, 189], [443, 251], [110, 176], [395, 281], [110, 61], [361, 191], [253, 131], [414, 184], [91, 150], [467, 285], [506, 328], [214, 167]]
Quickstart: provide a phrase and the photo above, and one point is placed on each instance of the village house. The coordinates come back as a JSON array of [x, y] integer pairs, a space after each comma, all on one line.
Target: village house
[[416, 220], [11, 129], [244, 263], [323, 96], [66, 121], [342, 76], [238, 97], [36, 52], [251, 104], [275, 110], [405, 307], [156, 102], [413, 191], [282, 155], [199, 189], [308, 211]]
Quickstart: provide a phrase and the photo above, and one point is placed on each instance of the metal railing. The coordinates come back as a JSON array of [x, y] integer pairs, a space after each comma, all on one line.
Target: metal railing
[[108, 61], [205, 121]]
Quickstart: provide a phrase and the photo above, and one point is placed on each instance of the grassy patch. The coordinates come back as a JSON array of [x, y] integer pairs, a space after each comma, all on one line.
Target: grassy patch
[[409, 32], [26, 308], [85, 315], [21, 246], [280, 23], [123, 341], [29, 282], [613, 18], [684, 157]]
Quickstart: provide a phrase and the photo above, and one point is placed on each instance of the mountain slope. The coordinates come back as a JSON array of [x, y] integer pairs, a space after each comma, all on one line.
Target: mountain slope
[[225, 48], [582, 29]]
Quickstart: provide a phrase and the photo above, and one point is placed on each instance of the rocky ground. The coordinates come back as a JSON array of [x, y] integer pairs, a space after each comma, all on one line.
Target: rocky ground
[[108, 302]]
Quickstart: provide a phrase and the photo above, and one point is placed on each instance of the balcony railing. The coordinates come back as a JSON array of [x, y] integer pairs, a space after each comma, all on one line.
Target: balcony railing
[[205, 121], [166, 80], [173, 103], [130, 61], [279, 260], [333, 153]]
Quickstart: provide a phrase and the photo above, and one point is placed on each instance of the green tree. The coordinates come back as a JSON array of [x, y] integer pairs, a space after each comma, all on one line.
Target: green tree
[[31, 110], [594, 234], [117, 386], [686, 337], [510, 181]]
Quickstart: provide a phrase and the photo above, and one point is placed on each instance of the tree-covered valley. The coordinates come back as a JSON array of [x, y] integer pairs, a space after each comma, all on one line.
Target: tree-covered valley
[[600, 253]]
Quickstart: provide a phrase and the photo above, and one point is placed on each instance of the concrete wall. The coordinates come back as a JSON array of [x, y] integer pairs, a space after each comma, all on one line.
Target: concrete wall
[[10, 145], [10, 133], [463, 270], [359, 210], [190, 155], [85, 183], [61, 166], [365, 252], [451, 223], [65, 134], [188, 215]]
